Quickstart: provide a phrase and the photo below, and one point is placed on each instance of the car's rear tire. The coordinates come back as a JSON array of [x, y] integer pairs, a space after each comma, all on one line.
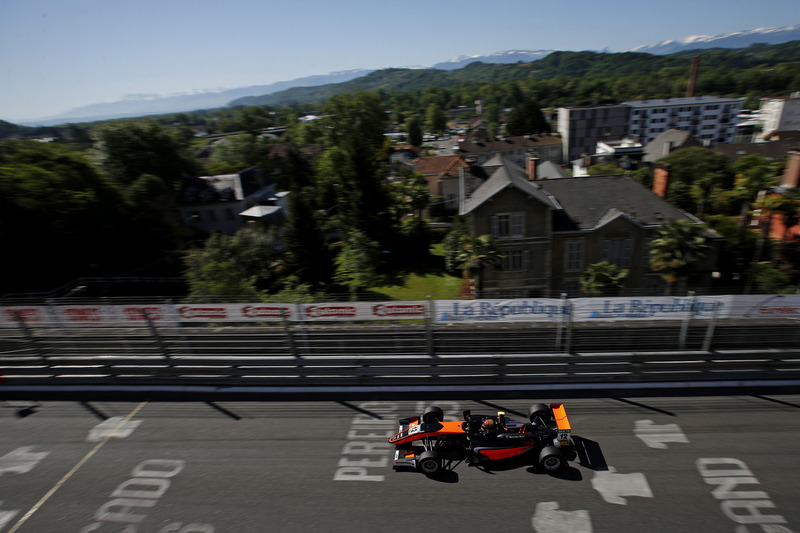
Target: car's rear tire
[[550, 459], [429, 463], [538, 410], [432, 413]]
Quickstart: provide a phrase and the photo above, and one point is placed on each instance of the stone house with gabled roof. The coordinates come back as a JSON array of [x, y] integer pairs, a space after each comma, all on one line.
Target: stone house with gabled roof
[[479, 146], [442, 173], [548, 231]]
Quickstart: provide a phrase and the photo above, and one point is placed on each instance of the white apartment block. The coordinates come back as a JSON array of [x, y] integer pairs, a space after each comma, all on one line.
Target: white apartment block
[[780, 114], [710, 119]]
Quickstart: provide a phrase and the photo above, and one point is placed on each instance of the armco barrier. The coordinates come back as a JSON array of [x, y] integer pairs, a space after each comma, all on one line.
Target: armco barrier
[[527, 310]]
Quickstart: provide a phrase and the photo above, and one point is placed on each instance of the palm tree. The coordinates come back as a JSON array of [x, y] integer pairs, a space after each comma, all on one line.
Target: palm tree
[[676, 251], [602, 278], [475, 254]]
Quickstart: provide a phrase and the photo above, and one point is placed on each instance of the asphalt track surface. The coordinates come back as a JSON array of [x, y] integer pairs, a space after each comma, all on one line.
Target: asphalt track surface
[[727, 464]]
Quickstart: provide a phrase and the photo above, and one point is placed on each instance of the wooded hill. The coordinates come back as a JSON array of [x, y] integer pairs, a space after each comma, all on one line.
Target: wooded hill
[[591, 77]]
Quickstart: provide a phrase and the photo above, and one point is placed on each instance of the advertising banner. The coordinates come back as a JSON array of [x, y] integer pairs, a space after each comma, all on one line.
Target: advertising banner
[[656, 308], [521, 310], [344, 311], [762, 306]]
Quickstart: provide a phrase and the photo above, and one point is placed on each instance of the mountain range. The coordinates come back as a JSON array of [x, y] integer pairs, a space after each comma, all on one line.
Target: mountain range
[[141, 105]]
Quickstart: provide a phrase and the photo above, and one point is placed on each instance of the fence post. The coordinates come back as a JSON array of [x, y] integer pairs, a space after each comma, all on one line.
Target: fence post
[[568, 341], [29, 336], [429, 328], [685, 323], [154, 332], [560, 328], [711, 325], [302, 319], [288, 332]]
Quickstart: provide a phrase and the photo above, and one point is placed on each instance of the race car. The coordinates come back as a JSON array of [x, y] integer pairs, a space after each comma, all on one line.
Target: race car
[[428, 443]]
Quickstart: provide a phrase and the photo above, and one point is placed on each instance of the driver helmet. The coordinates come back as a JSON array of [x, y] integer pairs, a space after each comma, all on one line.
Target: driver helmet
[[487, 424]]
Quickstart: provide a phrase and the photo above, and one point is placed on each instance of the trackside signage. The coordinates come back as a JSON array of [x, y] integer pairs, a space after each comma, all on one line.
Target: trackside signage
[[444, 311], [533, 310]]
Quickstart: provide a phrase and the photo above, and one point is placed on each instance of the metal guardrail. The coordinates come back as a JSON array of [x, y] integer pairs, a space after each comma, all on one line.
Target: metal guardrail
[[276, 361]]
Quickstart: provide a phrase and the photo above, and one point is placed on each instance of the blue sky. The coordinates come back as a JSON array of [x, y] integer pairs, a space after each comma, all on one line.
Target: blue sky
[[56, 55]]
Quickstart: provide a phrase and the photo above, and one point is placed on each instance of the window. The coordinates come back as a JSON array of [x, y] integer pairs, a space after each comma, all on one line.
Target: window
[[618, 251], [515, 260], [574, 259], [508, 225]]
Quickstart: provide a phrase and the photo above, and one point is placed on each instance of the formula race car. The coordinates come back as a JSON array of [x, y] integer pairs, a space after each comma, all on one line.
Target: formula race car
[[428, 443]]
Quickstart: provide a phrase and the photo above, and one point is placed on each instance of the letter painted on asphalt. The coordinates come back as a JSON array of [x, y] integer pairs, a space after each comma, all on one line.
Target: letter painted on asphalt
[[20, 461], [123, 513], [548, 519], [115, 427], [6, 516], [614, 487], [656, 436], [355, 474]]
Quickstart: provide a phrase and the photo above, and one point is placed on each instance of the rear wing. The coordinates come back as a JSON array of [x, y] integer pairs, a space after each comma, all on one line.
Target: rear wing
[[564, 428]]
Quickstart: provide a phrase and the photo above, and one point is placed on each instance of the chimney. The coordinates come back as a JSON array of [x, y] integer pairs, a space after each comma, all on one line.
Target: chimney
[[791, 176], [693, 76], [532, 163], [667, 148], [661, 180]]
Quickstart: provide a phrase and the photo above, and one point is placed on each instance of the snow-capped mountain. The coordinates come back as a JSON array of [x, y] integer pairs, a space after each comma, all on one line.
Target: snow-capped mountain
[[150, 104], [737, 39], [507, 56]]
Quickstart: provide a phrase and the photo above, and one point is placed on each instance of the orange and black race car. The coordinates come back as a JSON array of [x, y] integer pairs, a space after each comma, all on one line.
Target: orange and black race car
[[429, 443]]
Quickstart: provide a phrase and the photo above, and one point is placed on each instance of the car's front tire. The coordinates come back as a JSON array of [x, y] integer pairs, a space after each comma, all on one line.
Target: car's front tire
[[429, 463]]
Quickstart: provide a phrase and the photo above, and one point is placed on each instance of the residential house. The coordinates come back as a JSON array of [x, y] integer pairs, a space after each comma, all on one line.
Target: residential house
[[780, 114], [548, 231], [442, 173], [582, 127], [668, 142], [223, 202], [479, 146]]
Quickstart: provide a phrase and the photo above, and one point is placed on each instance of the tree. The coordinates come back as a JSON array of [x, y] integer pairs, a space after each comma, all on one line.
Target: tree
[[357, 262], [414, 129], [351, 172], [238, 265], [605, 169], [475, 255], [435, 119], [602, 278], [59, 219], [526, 118], [307, 258], [678, 248], [126, 149], [696, 164]]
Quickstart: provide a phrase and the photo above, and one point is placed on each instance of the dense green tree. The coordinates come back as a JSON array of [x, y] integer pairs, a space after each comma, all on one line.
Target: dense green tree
[[59, 218], [233, 266], [353, 167], [435, 118], [676, 251], [357, 262], [694, 172], [126, 149], [526, 118], [414, 130], [307, 257], [603, 278]]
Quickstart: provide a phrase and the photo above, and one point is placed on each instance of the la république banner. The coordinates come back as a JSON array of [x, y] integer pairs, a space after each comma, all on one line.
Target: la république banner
[[442, 312]]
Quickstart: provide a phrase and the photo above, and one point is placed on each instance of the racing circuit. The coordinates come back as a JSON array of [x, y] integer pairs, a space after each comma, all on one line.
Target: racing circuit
[[712, 464]]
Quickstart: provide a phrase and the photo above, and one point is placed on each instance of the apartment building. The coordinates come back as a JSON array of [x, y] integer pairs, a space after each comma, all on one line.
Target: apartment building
[[710, 119], [582, 127]]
